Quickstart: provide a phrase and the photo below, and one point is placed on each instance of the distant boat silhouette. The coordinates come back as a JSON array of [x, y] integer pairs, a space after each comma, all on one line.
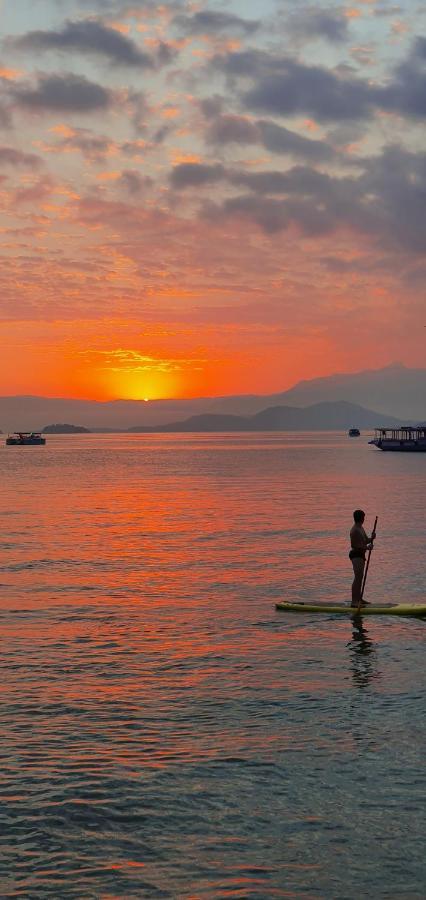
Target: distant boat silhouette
[[25, 439], [354, 432]]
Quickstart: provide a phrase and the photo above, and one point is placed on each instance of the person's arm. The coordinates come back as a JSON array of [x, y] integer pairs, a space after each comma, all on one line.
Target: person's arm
[[371, 539]]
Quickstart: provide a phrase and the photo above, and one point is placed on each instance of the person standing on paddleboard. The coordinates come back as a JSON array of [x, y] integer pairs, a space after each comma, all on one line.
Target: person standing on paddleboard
[[360, 543]]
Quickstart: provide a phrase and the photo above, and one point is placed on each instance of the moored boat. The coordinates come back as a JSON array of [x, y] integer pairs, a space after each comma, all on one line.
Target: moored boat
[[411, 439], [25, 439], [354, 432]]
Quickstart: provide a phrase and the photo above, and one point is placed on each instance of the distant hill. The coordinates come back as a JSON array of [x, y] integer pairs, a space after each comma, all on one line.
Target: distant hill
[[319, 417], [65, 429], [394, 391]]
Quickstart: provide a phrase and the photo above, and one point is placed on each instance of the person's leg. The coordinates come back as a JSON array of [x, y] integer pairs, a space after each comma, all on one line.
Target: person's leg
[[358, 567]]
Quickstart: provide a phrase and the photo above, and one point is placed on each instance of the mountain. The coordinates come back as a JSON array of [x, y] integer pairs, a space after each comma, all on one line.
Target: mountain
[[394, 391], [319, 417], [65, 429]]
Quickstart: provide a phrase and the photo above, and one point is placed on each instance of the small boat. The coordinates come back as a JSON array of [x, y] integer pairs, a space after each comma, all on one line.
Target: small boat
[[354, 432], [411, 439], [25, 439]]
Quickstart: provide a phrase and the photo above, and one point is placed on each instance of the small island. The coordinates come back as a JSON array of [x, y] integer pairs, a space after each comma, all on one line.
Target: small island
[[65, 429]]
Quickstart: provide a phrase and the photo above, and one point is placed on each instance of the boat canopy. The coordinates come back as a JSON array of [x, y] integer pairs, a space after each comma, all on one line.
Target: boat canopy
[[406, 433]]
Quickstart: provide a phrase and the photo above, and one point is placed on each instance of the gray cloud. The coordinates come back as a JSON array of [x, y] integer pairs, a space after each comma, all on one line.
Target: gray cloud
[[387, 201], [319, 23], [406, 93], [86, 36], [249, 63], [312, 90], [11, 157], [270, 214], [196, 175], [283, 86], [232, 129], [299, 180], [396, 184], [66, 92], [134, 183], [278, 139], [211, 22]]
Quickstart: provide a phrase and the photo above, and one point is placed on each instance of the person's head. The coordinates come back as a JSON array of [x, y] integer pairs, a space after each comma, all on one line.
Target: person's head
[[359, 516]]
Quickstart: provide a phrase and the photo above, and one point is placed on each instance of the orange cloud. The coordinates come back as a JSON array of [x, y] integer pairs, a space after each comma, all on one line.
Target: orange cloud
[[179, 157], [10, 74], [108, 176], [170, 112], [121, 27]]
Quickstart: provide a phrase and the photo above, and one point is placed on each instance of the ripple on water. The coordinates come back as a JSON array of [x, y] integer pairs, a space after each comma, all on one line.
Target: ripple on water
[[166, 733]]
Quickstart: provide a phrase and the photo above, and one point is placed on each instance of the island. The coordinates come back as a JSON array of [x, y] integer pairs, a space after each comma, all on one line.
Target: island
[[65, 429]]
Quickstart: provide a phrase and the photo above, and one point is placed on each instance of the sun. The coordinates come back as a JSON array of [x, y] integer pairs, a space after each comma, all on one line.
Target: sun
[[146, 399]]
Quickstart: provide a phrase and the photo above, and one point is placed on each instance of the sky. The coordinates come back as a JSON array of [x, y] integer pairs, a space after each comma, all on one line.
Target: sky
[[209, 198]]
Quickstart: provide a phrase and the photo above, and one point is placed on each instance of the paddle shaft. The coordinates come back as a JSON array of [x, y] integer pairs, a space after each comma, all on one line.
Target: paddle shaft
[[368, 563]]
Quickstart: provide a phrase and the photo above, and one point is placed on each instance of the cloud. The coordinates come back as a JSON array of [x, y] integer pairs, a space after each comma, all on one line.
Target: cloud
[[284, 86], [395, 182], [134, 183], [95, 147], [406, 93], [34, 193], [5, 117], [66, 92], [11, 157], [195, 175], [212, 22], [386, 201], [87, 36], [232, 129], [297, 88], [319, 23], [299, 180], [278, 139]]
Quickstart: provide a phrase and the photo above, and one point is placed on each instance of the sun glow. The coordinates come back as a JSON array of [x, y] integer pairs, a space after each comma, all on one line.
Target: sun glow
[[146, 386]]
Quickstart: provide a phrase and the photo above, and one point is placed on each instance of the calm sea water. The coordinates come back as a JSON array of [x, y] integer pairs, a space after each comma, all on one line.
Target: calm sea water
[[164, 731]]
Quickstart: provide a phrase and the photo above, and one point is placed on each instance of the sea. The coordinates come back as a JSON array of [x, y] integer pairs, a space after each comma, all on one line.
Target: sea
[[165, 732]]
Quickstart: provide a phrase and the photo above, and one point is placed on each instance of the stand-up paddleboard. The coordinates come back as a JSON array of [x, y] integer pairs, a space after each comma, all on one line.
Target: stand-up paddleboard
[[392, 609]]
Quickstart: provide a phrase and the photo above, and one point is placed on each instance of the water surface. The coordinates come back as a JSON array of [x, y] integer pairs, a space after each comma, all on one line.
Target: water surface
[[167, 733]]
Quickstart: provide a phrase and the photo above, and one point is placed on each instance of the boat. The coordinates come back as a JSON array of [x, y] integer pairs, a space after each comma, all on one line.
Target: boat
[[25, 439], [390, 609], [354, 432], [410, 438]]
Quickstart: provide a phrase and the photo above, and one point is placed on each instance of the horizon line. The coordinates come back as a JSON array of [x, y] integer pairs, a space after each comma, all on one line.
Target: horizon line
[[393, 365]]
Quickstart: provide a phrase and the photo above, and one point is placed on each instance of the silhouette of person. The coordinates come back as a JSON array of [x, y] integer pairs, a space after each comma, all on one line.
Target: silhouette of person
[[360, 543]]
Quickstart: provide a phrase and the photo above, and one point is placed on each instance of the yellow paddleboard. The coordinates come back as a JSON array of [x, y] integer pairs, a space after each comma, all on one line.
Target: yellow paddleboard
[[392, 609]]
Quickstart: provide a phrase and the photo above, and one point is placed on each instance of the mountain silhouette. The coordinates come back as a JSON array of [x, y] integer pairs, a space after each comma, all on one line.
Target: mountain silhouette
[[319, 417], [396, 392]]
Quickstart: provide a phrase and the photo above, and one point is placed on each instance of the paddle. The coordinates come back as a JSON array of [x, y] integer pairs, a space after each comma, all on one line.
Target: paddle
[[366, 568]]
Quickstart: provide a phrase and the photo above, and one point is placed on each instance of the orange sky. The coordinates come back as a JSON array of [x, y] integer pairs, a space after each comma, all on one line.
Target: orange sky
[[206, 202]]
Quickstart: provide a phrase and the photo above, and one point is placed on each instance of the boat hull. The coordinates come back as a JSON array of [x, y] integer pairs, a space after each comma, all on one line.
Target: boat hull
[[11, 442], [398, 448], [393, 609]]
